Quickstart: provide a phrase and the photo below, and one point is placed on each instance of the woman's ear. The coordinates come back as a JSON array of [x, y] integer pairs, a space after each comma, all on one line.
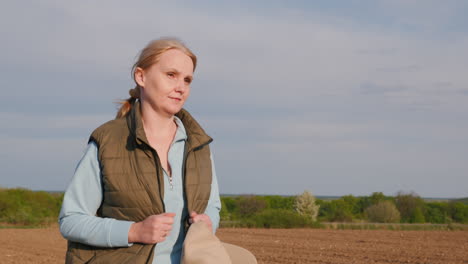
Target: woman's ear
[[139, 76]]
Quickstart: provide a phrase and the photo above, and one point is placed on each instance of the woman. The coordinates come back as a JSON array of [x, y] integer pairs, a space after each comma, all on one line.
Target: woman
[[145, 175]]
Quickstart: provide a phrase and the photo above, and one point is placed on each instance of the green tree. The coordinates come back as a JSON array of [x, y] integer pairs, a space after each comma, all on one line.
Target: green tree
[[407, 203], [324, 209], [418, 216], [340, 211], [280, 202], [230, 205], [436, 212], [352, 203], [459, 212], [250, 205], [362, 204], [305, 205], [377, 197]]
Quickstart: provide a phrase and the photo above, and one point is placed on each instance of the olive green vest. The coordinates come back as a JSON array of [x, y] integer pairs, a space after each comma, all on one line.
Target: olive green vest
[[133, 183]]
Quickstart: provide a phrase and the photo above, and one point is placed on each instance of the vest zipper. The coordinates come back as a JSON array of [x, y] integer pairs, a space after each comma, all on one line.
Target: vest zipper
[[158, 162]]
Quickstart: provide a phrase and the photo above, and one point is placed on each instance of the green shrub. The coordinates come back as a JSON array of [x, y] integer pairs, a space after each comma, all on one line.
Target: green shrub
[[224, 214], [279, 218], [25, 207], [230, 203], [383, 212]]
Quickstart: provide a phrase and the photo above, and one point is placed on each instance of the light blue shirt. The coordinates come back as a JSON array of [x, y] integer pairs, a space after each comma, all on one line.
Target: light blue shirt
[[83, 197]]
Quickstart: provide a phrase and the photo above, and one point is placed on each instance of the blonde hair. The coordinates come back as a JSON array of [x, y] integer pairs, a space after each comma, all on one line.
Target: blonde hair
[[149, 56]]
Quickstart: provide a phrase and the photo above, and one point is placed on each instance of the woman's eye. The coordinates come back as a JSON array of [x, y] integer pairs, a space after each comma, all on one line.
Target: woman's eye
[[188, 80], [171, 74]]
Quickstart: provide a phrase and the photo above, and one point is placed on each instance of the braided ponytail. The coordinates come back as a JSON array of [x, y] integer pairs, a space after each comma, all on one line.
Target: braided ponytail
[[126, 105]]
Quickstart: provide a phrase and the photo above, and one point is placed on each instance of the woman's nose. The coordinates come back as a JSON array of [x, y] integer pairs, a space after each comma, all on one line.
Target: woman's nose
[[180, 86]]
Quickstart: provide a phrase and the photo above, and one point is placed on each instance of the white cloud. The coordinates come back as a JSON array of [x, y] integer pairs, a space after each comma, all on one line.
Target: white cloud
[[39, 163], [22, 121], [351, 85], [283, 57]]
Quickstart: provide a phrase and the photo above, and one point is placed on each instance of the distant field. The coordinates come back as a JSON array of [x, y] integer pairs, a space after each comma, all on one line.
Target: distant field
[[463, 200], [275, 246]]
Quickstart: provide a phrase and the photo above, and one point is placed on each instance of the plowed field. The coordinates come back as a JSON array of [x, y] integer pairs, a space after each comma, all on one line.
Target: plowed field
[[280, 245]]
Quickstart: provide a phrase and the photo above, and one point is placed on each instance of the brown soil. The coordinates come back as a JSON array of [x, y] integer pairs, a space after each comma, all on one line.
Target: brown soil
[[351, 246], [279, 245]]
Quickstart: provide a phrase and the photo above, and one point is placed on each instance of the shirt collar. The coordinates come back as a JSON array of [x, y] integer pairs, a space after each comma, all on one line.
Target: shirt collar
[[181, 134]]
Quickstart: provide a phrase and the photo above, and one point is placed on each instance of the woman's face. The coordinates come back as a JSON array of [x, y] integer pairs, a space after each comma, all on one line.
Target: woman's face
[[166, 85]]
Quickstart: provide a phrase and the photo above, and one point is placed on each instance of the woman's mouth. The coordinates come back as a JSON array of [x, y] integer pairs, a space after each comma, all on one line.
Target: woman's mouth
[[176, 98]]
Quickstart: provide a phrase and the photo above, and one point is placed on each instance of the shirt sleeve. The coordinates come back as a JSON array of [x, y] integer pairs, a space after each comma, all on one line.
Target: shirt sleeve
[[78, 221], [214, 203]]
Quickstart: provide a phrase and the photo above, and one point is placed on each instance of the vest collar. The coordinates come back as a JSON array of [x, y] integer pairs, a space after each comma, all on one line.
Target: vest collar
[[196, 136]]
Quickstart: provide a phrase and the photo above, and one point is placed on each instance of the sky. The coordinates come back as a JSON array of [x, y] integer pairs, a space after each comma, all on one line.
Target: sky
[[334, 97]]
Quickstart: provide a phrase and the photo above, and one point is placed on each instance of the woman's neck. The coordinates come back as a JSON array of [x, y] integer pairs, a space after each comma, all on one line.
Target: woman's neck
[[156, 123]]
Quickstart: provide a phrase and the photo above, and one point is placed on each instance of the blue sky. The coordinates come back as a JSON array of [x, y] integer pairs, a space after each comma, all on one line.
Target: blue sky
[[335, 97]]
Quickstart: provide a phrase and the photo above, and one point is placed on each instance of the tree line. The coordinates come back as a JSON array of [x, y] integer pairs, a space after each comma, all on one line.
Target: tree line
[[33, 208], [305, 210]]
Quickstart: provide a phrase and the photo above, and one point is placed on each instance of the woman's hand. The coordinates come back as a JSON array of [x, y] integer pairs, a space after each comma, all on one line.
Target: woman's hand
[[152, 230], [194, 217]]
